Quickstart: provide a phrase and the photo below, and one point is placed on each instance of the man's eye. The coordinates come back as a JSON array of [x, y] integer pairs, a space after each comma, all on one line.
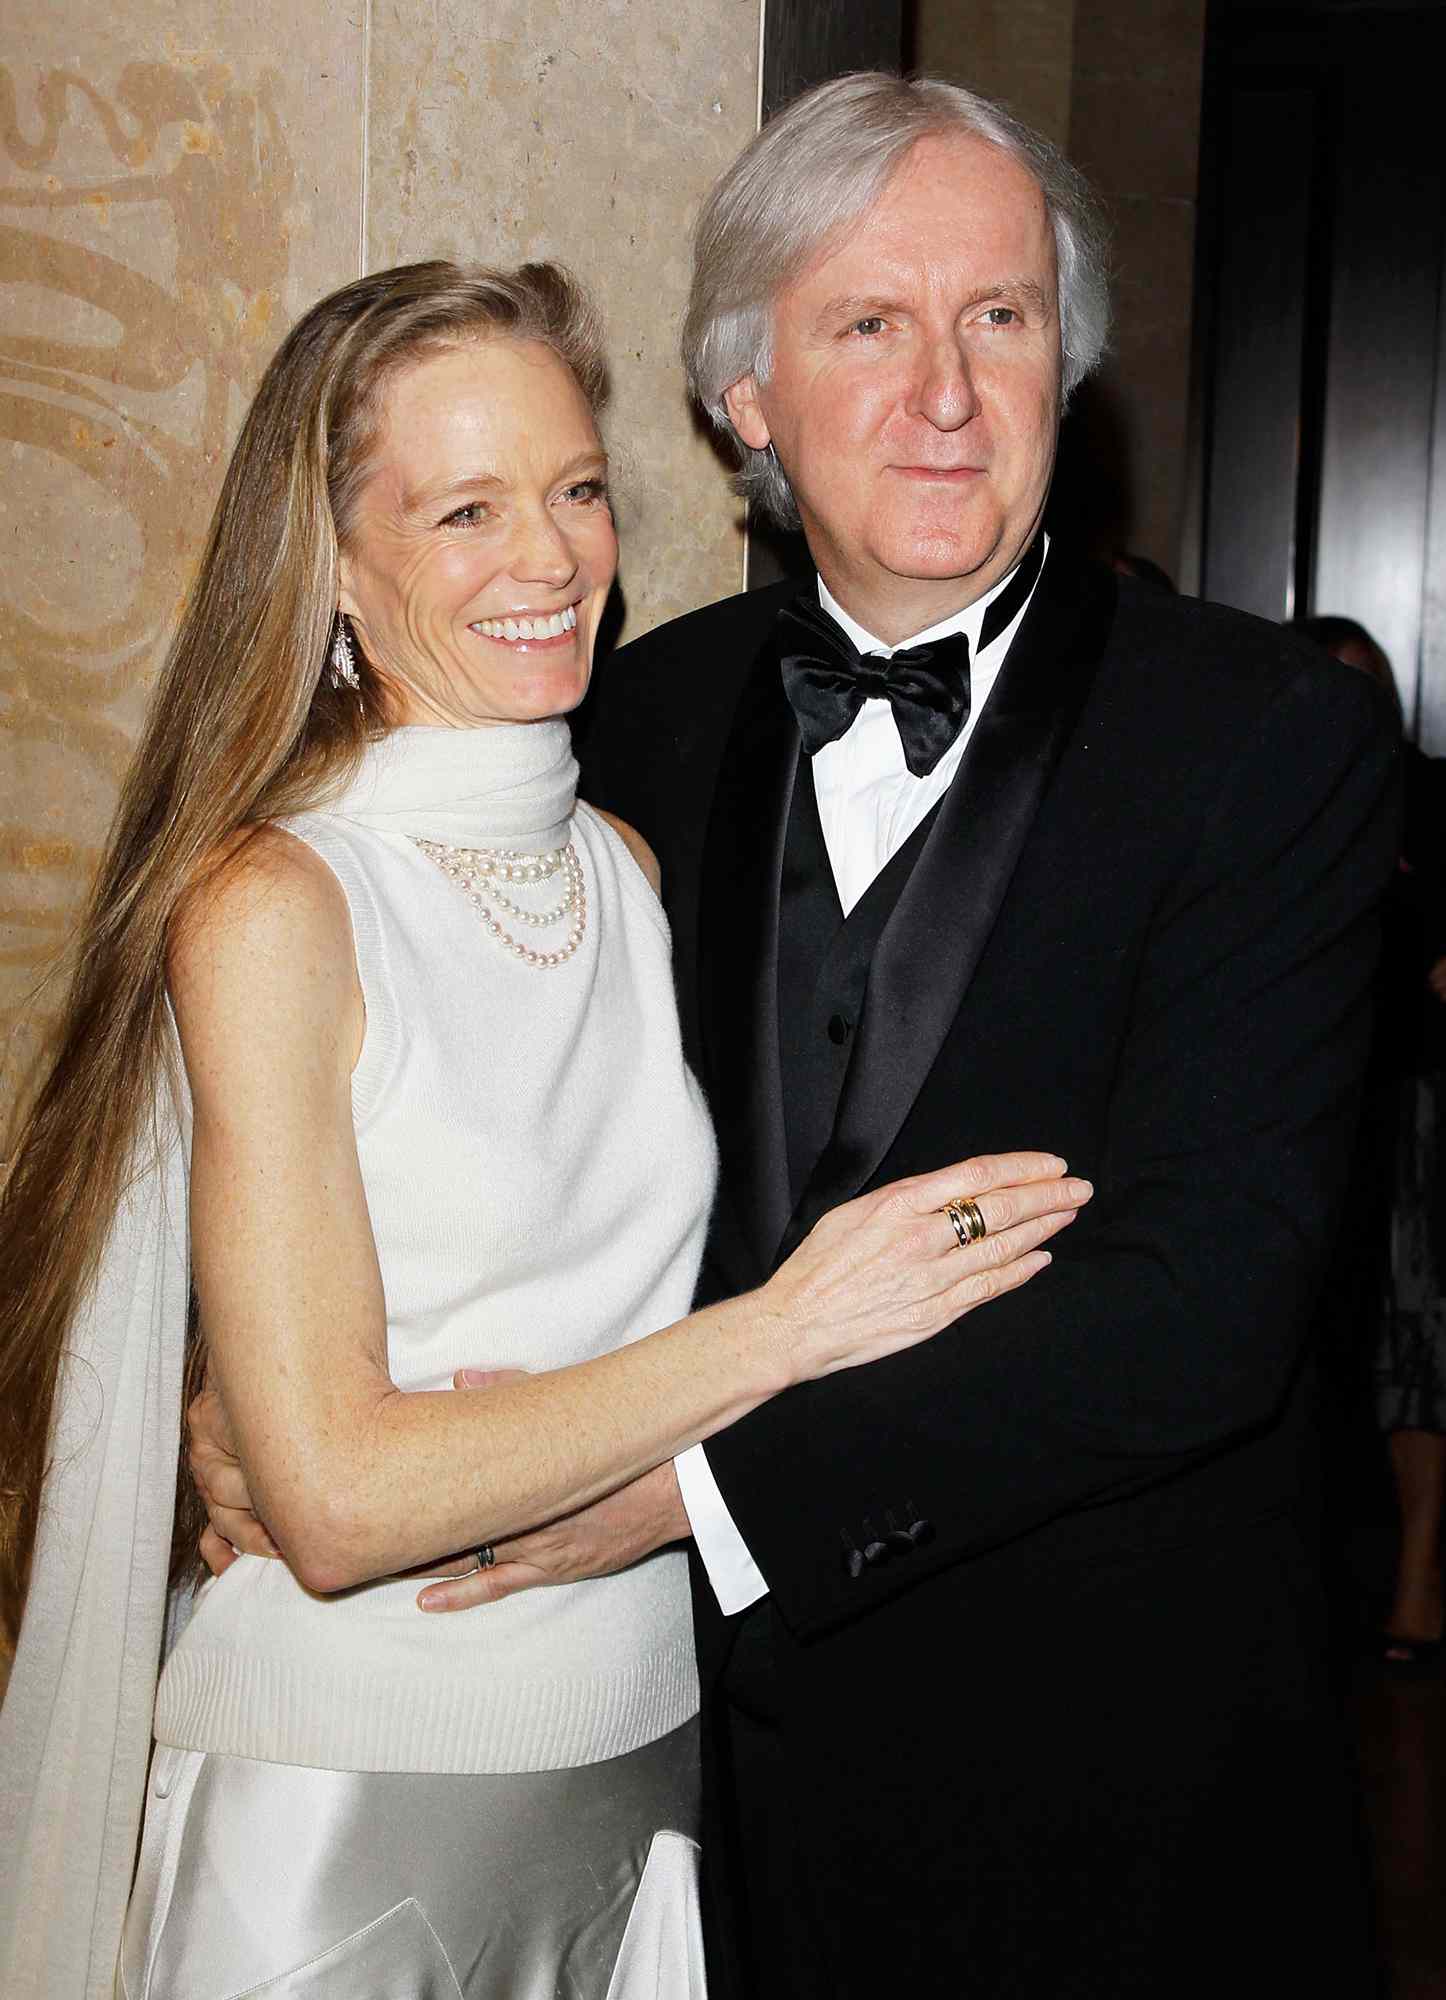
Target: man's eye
[[870, 324], [587, 492], [1000, 316]]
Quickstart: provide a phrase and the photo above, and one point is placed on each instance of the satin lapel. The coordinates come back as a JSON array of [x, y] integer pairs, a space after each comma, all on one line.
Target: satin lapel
[[932, 943], [738, 955]]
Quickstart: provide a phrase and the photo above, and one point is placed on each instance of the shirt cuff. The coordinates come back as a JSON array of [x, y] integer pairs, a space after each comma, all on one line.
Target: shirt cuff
[[736, 1578]]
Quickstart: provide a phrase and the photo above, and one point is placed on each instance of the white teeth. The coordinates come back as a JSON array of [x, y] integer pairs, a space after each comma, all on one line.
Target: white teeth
[[529, 628]]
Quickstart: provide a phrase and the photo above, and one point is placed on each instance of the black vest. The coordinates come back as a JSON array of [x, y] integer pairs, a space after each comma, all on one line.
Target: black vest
[[823, 973]]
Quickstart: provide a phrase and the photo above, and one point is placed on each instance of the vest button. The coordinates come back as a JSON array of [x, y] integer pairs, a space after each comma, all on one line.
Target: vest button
[[838, 1030]]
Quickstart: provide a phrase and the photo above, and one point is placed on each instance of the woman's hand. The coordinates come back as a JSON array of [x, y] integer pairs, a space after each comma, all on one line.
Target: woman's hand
[[885, 1271]]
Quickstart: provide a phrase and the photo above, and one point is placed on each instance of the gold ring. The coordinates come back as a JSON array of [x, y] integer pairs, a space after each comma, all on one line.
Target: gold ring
[[968, 1220]]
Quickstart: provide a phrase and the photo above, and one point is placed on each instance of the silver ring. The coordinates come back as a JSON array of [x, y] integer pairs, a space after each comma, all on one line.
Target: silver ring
[[486, 1556]]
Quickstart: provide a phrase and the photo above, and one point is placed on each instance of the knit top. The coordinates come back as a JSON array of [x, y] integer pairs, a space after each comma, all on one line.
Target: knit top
[[538, 1167]]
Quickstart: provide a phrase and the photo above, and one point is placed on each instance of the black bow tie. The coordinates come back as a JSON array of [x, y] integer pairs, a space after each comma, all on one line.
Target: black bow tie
[[827, 680]]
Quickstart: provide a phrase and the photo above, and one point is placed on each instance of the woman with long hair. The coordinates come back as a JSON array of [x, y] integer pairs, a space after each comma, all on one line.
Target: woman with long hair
[[370, 1066]]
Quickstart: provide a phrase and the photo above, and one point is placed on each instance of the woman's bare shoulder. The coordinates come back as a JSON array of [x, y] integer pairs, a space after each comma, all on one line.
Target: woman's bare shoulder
[[636, 846], [261, 952], [260, 889]]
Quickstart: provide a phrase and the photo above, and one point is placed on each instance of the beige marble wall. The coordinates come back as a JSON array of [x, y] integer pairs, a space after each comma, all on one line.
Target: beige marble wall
[[587, 132], [178, 178], [172, 191]]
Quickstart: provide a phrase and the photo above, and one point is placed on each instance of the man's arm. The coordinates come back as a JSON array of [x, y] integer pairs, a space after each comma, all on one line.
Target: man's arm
[[1173, 1320]]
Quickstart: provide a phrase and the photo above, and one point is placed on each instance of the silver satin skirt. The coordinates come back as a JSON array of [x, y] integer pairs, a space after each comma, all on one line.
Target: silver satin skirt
[[270, 1880]]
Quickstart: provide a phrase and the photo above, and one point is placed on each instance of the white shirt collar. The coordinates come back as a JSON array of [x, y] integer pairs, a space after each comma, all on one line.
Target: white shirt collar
[[968, 621]]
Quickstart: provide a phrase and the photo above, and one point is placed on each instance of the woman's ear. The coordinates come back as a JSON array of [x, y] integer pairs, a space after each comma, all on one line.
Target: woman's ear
[[345, 601]]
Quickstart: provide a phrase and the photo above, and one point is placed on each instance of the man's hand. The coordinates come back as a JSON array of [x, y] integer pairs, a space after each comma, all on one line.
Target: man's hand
[[233, 1528], [613, 1532]]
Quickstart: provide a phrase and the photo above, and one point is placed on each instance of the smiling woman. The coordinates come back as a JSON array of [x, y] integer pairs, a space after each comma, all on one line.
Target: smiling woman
[[481, 550], [374, 1004]]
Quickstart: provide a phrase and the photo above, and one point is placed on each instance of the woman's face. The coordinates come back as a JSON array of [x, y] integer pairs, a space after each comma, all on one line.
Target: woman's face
[[482, 548]]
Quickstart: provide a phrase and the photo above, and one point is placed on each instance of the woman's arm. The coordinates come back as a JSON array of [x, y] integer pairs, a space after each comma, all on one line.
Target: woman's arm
[[355, 1479]]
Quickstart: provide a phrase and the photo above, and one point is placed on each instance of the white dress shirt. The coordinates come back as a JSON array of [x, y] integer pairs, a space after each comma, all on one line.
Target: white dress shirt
[[868, 804]]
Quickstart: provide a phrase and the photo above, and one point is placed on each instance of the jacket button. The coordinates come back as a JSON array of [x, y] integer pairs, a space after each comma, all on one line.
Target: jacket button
[[907, 1529], [876, 1549], [839, 1029]]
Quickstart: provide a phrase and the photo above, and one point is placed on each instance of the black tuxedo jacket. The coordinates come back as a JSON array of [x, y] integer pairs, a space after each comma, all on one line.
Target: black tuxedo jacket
[[1140, 934]]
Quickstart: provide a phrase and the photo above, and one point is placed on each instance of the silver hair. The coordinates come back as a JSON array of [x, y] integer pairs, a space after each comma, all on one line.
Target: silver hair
[[811, 172]]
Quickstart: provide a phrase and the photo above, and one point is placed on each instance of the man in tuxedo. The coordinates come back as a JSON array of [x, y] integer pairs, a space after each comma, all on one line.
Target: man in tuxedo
[[1010, 1646]]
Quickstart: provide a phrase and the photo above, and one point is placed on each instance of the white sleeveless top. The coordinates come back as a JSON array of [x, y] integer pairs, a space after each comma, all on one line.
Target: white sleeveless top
[[538, 1166]]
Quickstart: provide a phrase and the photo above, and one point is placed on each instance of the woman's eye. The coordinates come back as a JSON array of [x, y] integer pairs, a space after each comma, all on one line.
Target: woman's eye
[[469, 516], [587, 492]]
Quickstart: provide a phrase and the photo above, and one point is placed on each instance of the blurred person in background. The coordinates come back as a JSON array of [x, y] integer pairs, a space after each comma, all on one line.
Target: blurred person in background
[[1401, 1181]]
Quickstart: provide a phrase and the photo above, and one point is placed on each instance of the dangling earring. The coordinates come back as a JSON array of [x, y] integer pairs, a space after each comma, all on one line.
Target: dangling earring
[[343, 659]]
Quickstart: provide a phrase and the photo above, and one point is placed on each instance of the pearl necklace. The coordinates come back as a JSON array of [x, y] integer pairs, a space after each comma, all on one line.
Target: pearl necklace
[[478, 871]]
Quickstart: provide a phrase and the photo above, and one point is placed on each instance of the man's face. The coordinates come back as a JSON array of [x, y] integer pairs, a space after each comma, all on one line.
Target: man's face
[[914, 395]]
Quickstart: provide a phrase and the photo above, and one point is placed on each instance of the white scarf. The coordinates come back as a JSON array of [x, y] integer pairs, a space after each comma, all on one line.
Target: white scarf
[[75, 1730], [513, 782]]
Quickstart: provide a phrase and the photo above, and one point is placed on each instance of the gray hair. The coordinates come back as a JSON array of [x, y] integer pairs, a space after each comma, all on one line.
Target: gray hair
[[811, 172]]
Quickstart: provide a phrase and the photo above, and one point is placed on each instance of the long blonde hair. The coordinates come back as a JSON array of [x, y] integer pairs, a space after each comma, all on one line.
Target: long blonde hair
[[246, 725]]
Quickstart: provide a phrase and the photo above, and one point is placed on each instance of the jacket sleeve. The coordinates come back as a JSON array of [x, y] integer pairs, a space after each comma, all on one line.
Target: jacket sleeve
[[1171, 1324]]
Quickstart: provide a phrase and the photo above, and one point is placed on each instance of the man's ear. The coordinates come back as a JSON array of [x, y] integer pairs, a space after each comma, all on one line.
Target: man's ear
[[745, 413]]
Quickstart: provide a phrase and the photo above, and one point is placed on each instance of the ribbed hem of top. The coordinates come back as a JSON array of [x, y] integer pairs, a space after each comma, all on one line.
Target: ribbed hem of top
[[351, 1719]]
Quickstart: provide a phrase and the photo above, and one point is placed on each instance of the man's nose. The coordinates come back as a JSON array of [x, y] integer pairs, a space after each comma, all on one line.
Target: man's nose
[[944, 390]]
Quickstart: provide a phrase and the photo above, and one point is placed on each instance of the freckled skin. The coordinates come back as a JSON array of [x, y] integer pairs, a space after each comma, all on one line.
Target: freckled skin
[[487, 500], [914, 395]]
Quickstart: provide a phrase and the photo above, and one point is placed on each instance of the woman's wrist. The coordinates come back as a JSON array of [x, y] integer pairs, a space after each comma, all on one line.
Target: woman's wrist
[[767, 1342]]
